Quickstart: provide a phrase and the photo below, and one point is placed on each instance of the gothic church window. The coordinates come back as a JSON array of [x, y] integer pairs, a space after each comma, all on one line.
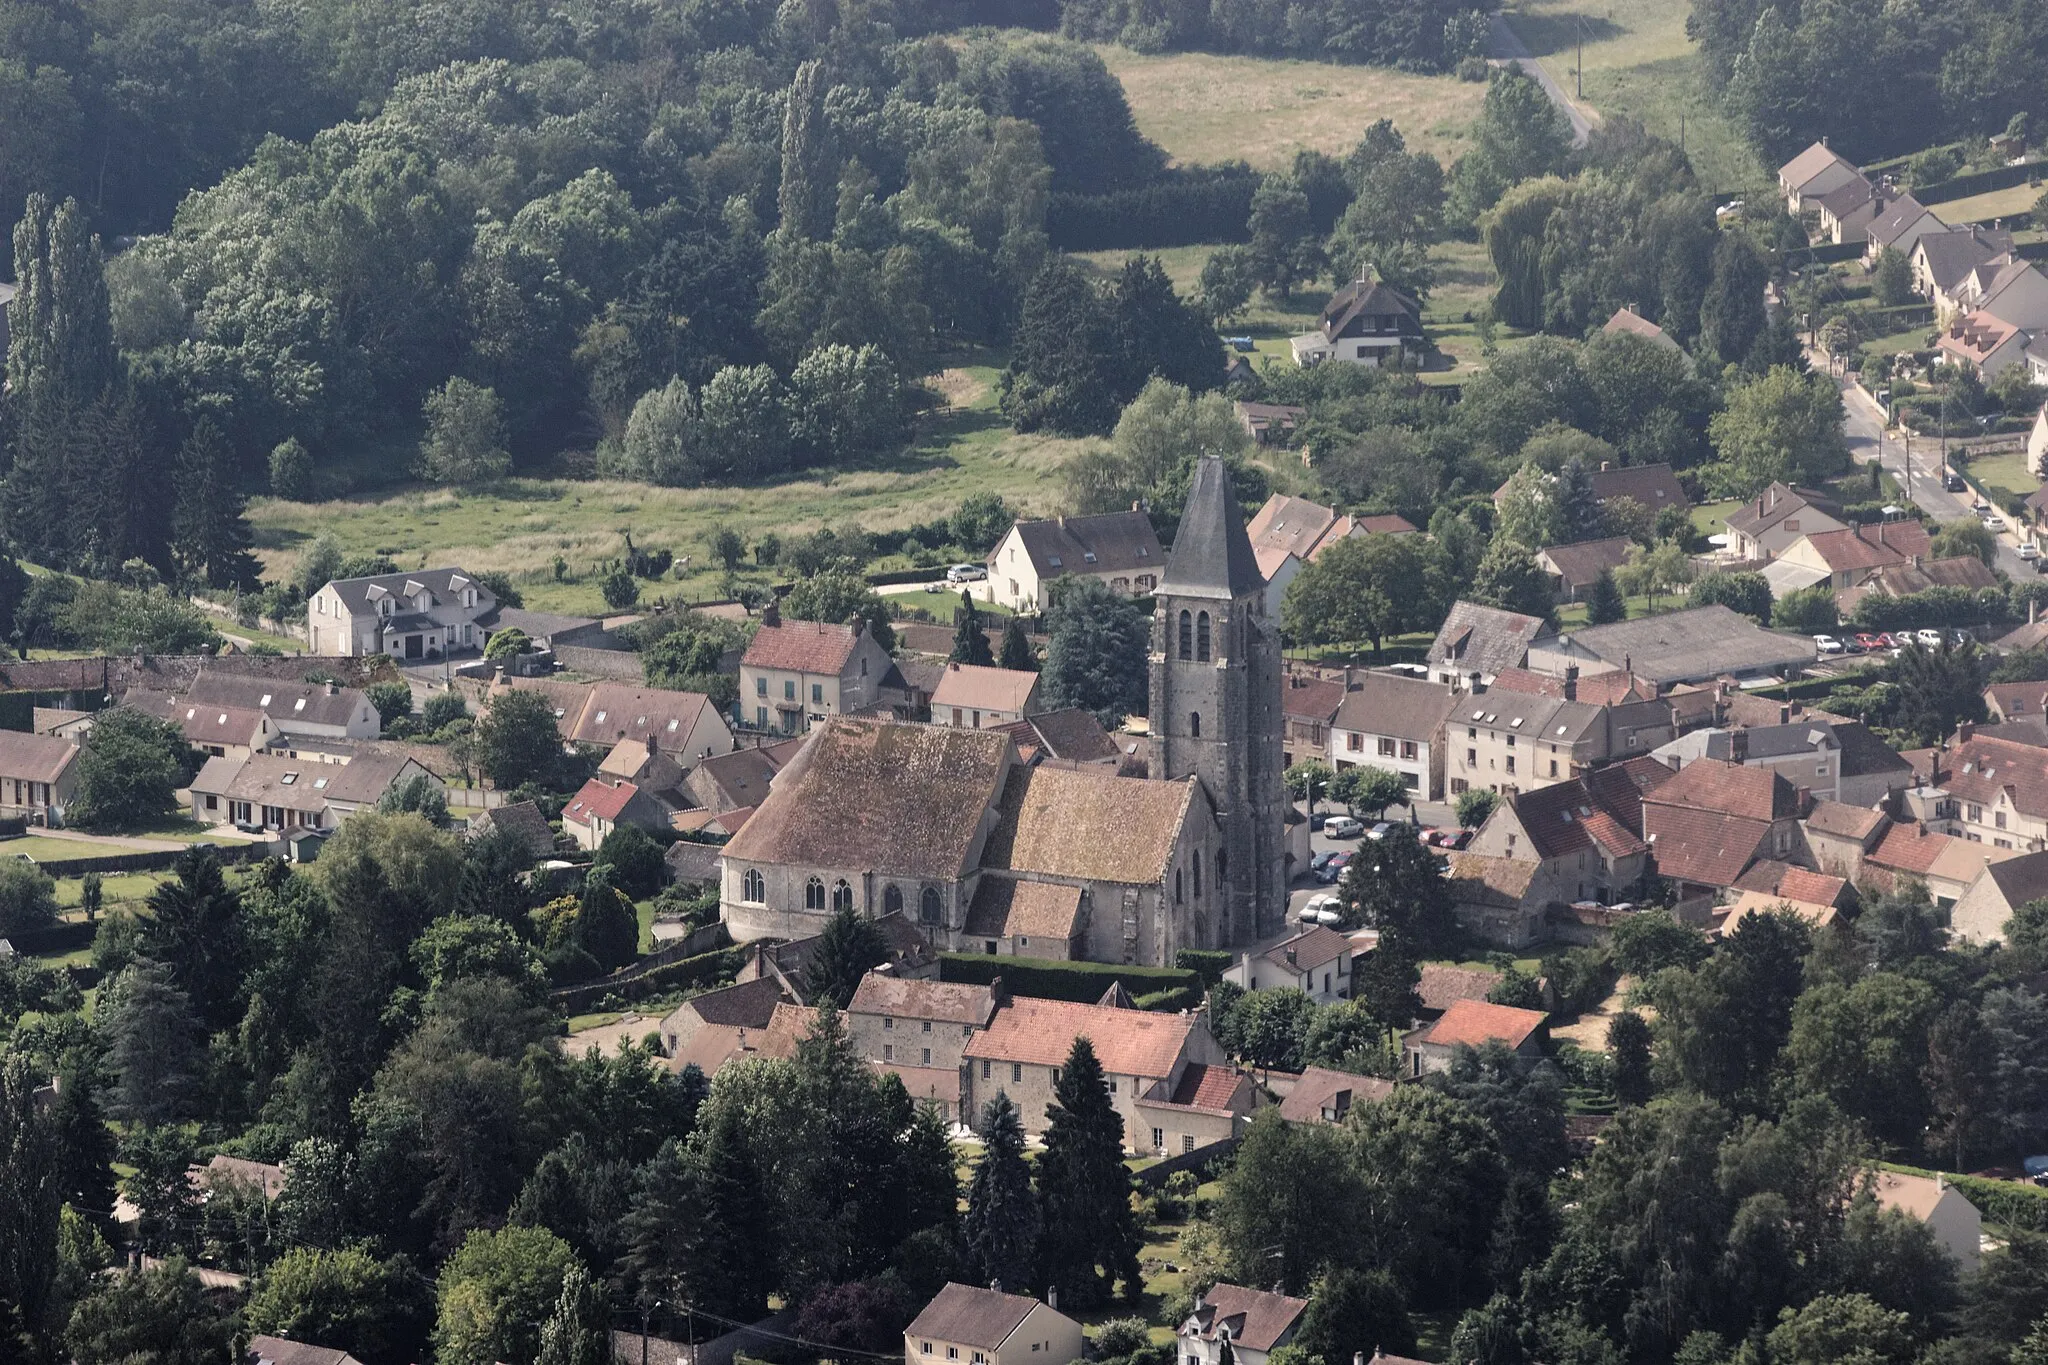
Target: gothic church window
[[1187, 636], [1202, 637]]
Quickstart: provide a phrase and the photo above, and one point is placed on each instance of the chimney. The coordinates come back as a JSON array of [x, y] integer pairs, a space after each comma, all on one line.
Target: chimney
[[1738, 746], [1965, 731], [1052, 1297], [333, 689], [1784, 713], [996, 991], [1571, 682], [1606, 465], [771, 615], [858, 623]]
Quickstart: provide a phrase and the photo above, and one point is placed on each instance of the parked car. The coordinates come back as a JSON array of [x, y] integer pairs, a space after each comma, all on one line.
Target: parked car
[[1317, 819], [1979, 506], [1241, 343], [1953, 482], [2030, 551], [1314, 906], [1928, 638], [1334, 869], [1866, 642], [1322, 860], [966, 573], [1993, 521], [1380, 830], [1827, 644], [1343, 827]]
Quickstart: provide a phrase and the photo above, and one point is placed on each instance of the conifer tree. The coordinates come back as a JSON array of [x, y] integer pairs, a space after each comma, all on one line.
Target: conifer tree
[[209, 535], [847, 950], [970, 641], [999, 1235], [606, 927], [810, 189], [1090, 1239], [1578, 509], [1016, 652], [1604, 602]]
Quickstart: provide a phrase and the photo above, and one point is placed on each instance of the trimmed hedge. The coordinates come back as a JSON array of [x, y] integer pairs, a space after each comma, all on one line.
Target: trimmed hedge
[[65, 936], [2009, 1203], [1826, 253], [1210, 965], [1963, 186], [1187, 207], [1083, 982], [1170, 1002]]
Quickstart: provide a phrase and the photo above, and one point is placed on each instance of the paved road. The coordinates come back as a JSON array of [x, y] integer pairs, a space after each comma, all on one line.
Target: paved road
[[1505, 47], [1864, 428]]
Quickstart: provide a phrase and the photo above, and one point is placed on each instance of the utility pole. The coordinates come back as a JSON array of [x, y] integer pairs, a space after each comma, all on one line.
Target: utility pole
[[1579, 71]]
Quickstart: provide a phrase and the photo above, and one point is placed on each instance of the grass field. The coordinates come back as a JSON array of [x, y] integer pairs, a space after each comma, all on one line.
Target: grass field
[[1639, 62], [520, 527], [2004, 476], [1981, 208], [1206, 108], [117, 889], [942, 603]]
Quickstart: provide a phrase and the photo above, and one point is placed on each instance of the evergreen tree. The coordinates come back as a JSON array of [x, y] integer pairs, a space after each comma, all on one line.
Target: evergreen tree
[[31, 1194], [578, 1332], [606, 926], [1628, 1040], [1090, 1239], [970, 641], [153, 1044], [209, 533], [810, 188], [1096, 659], [1578, 510], [1016, 651], [1604, 602], [194, 927], [999, 1235], [848, 949], [733, 1266], [1732, 314]]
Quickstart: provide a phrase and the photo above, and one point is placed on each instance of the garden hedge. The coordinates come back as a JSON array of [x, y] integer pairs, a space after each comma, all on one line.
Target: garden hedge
[[1084, 982]]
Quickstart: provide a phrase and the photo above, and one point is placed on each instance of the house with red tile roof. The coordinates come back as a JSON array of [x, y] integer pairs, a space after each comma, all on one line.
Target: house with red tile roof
[[1474, 1024], [981, 698], [1988, 790], [796, 673], [1852, 556], [1168, 1077], [1230, 1322], [1712, 820], [600, 807]]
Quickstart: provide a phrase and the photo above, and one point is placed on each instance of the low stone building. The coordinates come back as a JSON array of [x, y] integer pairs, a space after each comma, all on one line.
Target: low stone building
[[1472, 1023], [919, 1031]]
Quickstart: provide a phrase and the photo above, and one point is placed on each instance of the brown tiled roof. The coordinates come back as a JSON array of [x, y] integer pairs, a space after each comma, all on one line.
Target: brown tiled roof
[[1696, 643], [1627, 320], [1771, 877], [1114, 542], [1910, 848], [741, 777], [524, 819], [1389, 704], [750, 1004], [1730, 788], [204, 724], [35, 758], [1871, 547], [1612, 688], [1057, 822], [1303, 697], [1308, 950], [1474, 1023], [224, 1170], [1849, 822], [1385, 524], [266, 1350], [1365, 298], [1291, 525], [1652, 485], [657, 717], [2018, 699], [1256, 1318], [986, 689], [1706, 847], [972, 1317], [903, 799], [1979, 768], [1006, 908], [945, 1002], [1620, 788], [1042, 1033], [1214, 1089], [1566, 817], [925, 1084], [1320, 1088], [1578, 564], [1778, 502], [1957, 571], [801, 647], [1073, 735], [1444, 985], [306, 703], [599, 800], [1802, 169]]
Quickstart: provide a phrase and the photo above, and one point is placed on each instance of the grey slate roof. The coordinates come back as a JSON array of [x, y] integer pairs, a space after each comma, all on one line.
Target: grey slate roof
[[360, 595], [1893, 223], [1212, 555], [284, 702], [1484, 639], [1114, 542], [1693, 645], [1388, 704], [1953, 254], [1365, 298]]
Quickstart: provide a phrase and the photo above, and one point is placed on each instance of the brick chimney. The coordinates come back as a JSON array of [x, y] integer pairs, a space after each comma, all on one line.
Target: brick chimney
[[1571, 682], [1738, 746], [1965, 731], [771, 615]]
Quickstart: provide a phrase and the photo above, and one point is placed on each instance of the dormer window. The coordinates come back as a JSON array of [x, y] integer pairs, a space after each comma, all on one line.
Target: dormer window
[[672, 725], [287, 779], [1053, 560], [1088, 555], [600, 717]]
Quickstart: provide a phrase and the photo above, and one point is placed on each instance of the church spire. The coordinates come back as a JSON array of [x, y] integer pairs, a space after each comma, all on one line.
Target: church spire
[[1212, 555]]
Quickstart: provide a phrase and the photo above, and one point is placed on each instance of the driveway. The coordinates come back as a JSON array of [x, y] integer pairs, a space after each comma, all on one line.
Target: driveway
[[1504, 47]]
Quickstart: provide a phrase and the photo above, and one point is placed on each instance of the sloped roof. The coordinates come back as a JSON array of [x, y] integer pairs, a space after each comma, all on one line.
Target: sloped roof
[[1845, 821], [1321, 1088], [972, 1317], [1771, 877], [1612, 688], [1074, 735], [1566, 817], [1620, 788], [1582, 562], [1308, 950], [1385, 524], [1871, 547], [1706, 847], [597, 800], [983, 688], [1483, 639], [1475, 1023], [1042, 1032], [283, 702], [1444, 985], [1090, 825], [1293, 525], [801, 647], [1980, 768], [268, 1350], [361, 595], [1628, 320], [2020, 879], [1897, 220], [1652, 485], [1310, 698], [1112, 542], [1730, 788], [1976, 336], [1954, 254], [868, 794], [2019, 698], [1390, 704], [1699, 642], [35, 758], [1775, 504], [1846, 198], [741, 778], [903, 997], [689, 861], [1255, 1318], [1913, 1195], [1801, 169], [1209, 1089], [657, 717], [523, 819], [1004, 907], [1365, 298], [1212, 556]]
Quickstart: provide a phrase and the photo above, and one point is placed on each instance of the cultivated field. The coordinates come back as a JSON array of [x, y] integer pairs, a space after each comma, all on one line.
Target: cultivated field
[[521, 526], [1639, 63], [1206, 108]]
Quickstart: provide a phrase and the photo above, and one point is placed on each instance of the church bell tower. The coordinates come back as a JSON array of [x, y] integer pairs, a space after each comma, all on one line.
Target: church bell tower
[[1215, 704]]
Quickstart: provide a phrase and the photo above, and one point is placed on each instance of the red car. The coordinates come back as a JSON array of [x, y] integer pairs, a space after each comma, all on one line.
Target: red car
[[1869, 642]]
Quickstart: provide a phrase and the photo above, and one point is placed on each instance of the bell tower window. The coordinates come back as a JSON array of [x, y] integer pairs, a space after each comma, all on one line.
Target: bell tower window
[[1202, 637], [1187, 636]]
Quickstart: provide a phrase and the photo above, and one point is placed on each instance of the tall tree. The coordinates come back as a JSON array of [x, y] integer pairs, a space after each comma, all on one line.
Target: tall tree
[[970, 640], [606, 927], [1096, 658], [810, 181], [209, 534], [1732, 314], [194, 927], [848, 949], [154, 1044], [1090, 1242], [31, 1192], [1016, 652], [1510, 578], [1284, 248], [999, 1232], [1604, 602]]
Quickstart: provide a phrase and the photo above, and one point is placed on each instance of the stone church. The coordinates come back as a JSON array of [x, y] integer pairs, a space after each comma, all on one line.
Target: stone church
[[986, 853]]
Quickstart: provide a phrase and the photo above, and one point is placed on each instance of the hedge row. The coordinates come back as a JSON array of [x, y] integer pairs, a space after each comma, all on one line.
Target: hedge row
[[1826, 253], [1170, 1002], [1963, 186], [2008, 1203], [1084, 982], [65, 936], [1181, 208], [1210, 965]]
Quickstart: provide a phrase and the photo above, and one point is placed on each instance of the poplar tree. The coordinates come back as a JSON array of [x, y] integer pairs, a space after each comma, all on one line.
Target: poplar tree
[[970, 642], [809, 193], [1016, 651], [1090, 1243], [999, 1235]]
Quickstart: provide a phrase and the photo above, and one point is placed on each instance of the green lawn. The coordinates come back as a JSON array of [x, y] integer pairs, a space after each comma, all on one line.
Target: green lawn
[[54, 850], [1980, 208], [120, 888], [942, 603], [1711, 518], [1639, 62], [2004, 476], [522, 525]]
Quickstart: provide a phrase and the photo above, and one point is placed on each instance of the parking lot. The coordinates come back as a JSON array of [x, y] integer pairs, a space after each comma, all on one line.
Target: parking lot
[[1428, 813]]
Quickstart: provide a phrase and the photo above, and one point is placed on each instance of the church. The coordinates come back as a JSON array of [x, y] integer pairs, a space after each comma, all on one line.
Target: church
[[951, 828]]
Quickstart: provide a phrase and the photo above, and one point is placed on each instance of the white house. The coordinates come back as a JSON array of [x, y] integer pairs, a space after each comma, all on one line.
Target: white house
[[1119, 548], [1388, 721], [1255, 1323], [1317, 962], [1812, 175], [425, 615]]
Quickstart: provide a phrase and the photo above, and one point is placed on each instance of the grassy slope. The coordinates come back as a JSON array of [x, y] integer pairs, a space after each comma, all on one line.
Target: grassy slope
[[1205, 108], [521, 526], [1638, 62]]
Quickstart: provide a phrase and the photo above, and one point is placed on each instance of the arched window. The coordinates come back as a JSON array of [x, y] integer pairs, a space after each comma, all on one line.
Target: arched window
[[842, 895], [892, 899], [1195, 724], [1195, 866], [1202, 637], [1176, 886], [928, 906], [814, 894], [752, 889], [1187, 636]]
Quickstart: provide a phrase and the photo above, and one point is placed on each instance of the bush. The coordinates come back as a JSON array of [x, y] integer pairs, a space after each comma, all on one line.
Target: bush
[[635, 861], [1209, 965], [443, 709], [28, 897]]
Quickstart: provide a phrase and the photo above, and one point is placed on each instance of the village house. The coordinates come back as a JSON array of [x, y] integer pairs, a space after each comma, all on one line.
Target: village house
[[982, 698], [1814, 173], [1476, 644], [738, 780], [1953, 269], [1847, 211], [796, 674], [1948, 866], [2016, 700], [1900, 227], [1987, 790], [1232, 1323], [270, 792], [1308, 706], [1585, 836], [1320, 1095], [1835, 761], [1028, 919], [1288, 533], [1629, 321], [1385, 720], [1168, 1078], [1528, 731], [1574, 568], [300, 710], [1957, 1225], [1852, 556], [683, 726], [1317, 962], [918, 1031], [269, 1350], [1119, 548], [1769, 524], [216, 731], [521, 820], [1474, 1024], [1367, 322], [429, 614], [966, 1325], [1268, 424], [1998, 890], [1503, 902], [1698, 644], [1984, 343], [38, 777], [1708, 823], [600, 806]]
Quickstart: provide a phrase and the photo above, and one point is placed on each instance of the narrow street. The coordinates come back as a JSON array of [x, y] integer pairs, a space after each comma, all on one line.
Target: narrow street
[[1504, 47]]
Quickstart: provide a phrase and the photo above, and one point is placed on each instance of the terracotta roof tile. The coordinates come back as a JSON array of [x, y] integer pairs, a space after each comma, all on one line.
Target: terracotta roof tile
[[1444, 985], [1321, 1089], [598, 801], [1474, 1023], [1006, 908], [1849, 822], [1705, 847], [801, 647], [1308, 950], [1980, 768], [1256, 1318], [1729, 788], [1042, 1033], [948, 1002], [1389, 704], [1214, 1088], [985, 689], [1303, 697], [1775, 878]]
